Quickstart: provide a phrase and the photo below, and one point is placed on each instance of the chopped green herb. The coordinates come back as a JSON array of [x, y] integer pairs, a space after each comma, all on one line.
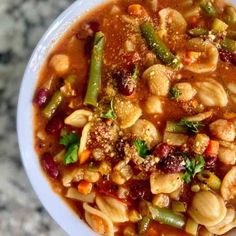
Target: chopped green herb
[[135, 74], [71, 155], [110, 114], [69, 139], [193, 166], [141, 148], [192, 126], [71, 142], [174, 93]]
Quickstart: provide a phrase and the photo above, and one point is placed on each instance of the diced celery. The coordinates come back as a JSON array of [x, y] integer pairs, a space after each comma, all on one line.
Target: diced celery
[[219, 26]]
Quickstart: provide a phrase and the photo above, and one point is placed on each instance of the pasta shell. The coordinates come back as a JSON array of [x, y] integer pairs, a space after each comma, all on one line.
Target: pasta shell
[[209, 58], [225, 225], [145, 130], [98, 221], [116, 210], [78, 118], [173, 20], [207, 208], [84, 138], [211, 93], [164, 183], [126, 111], [187, 92], [228, 186], [157, 77], [227, 155], [200, 116]]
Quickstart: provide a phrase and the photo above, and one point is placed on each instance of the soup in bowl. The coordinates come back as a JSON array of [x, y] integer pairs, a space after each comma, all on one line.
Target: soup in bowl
[[134, 120]]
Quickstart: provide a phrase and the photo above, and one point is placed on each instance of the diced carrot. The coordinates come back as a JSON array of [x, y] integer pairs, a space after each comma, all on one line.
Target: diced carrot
[[109, 121], [212, 148], [136, 10], [84, 156], [84, 187]]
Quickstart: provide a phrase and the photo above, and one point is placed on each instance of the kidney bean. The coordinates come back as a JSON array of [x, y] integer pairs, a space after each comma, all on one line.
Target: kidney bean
[[125, 83], [88, 29], [41, 97], [140, 189], [54, 125], [50, 167], [162, 150]]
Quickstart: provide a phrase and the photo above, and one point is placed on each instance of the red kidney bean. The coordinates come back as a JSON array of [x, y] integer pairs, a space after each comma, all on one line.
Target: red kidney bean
[[41, 97], [50, 167], [88, 29], [140, 189], [54, 125], [125, 83], [162, 150]]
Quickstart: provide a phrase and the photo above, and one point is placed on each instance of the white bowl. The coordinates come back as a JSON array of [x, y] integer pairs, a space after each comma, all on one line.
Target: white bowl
[[56, 207]]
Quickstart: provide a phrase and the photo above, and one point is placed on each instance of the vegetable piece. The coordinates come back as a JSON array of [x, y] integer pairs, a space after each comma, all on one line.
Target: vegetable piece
[[144, 224], [134, 216], [158, 46], [84, 187], [208, 8], [95, 71], [141, 148], [230, 16], [166, 216], [71, 142], [74, 194], [219, 26], [153, 105], [196, 32], [110, 114], [228, 44], [191, 126], [191, 227], [161, 200], [178, 206], [210, 179], [193, 166], [84, 156], [175, 139], [183, 92], [175, 127], [174, 93], [136, 10], [53, 104], [207, 208], [200, 143], [212, 148]]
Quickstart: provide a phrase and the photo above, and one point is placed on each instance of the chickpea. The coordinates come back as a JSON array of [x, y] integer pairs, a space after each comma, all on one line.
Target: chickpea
[[91, 176], [60, 63]]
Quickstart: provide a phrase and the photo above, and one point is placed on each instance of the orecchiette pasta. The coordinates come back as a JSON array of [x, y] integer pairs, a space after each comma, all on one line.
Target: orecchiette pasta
[[84, 138], [226, 224], [209, 56], [171, 19], [207, 208], [228, 186], [145, 130], [223, 129], [211, 93], [200, 117], [126, 111], [227, 155], [72, 176], [74, 194], [187, 92], [164, 183], [78, 118], [157, 77], [116, 210], [98, 220]]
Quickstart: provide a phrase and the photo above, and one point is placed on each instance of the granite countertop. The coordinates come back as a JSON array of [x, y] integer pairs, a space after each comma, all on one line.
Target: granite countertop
[[22, 24]]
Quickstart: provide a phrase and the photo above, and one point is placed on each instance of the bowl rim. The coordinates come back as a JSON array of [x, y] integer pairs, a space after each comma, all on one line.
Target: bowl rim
[[57, 208]]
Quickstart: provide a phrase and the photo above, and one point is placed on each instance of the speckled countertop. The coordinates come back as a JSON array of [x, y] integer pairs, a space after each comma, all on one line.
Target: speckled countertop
[[22, 23]]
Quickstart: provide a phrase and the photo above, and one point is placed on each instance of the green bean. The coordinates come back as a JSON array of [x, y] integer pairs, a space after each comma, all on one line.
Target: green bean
[[228, 44], [53, 104], [230, 16], [166, 216], [210, 179], [208, 8], [175, 127], [158, 46], [95, 71], [231, 34], [198, 32], [144, 224]]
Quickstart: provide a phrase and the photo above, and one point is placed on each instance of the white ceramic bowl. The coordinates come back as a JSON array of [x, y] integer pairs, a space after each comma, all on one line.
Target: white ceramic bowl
[[56, 207]]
